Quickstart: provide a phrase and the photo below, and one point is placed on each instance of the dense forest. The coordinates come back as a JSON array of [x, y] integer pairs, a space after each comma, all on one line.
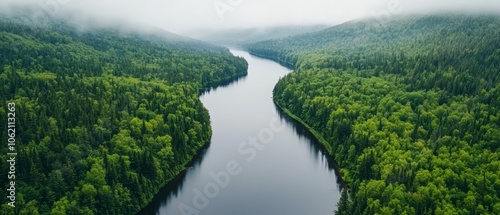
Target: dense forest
[[104, 117], [409, 108]]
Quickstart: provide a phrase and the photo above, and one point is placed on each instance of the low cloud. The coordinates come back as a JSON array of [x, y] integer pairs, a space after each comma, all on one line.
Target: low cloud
[[179, 16]]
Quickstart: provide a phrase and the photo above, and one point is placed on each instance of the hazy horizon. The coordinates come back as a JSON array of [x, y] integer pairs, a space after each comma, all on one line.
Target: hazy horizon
[[186, 16]]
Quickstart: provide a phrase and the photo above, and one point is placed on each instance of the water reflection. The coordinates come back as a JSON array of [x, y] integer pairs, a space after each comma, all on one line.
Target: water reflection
[[175, 186], [207, 90], [316, 149]]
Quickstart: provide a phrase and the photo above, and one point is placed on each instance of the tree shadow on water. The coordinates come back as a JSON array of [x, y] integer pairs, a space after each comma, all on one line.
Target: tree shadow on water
[[318, 150], [175, 186]]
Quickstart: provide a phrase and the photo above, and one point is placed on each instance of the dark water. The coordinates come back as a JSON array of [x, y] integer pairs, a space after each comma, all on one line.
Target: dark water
[[259, 161]]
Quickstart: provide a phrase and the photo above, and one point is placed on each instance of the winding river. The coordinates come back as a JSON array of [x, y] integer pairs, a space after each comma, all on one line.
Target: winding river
[[259, 162]]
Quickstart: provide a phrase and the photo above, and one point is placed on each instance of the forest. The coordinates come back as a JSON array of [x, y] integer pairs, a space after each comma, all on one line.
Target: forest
[[409, 108], [104, 117]]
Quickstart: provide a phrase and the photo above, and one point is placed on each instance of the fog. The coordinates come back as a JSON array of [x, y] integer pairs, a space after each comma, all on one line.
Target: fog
[[180, 16]]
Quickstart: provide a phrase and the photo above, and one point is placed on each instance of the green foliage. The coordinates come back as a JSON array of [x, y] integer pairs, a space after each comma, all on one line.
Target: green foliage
[[410, 109], [104, 119]]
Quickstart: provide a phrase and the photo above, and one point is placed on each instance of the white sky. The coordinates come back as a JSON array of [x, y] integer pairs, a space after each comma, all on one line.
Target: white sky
[[179, 16]]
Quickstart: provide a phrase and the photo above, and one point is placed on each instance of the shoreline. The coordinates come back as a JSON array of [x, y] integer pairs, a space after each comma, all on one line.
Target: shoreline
[[322, 142], [180, 173]]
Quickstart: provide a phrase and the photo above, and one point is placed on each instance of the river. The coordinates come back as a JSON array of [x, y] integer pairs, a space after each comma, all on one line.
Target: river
[[259, 162]]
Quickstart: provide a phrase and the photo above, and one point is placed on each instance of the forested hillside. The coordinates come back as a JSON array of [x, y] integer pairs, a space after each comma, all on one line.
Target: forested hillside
[[410, 109], [104, 118]]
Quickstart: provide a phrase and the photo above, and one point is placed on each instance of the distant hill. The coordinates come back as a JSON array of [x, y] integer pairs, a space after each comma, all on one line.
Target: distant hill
[[75, 23], [409, 108], [237, 37], [362, 37]]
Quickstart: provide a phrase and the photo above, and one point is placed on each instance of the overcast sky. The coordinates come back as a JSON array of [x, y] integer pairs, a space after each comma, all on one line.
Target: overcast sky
[[179, 16]]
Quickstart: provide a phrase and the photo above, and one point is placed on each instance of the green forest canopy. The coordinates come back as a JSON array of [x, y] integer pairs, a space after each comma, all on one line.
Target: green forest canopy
[[410, 109], [104, 118]]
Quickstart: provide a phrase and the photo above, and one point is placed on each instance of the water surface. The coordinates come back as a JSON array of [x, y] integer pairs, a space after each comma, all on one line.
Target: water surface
[[259, 161]]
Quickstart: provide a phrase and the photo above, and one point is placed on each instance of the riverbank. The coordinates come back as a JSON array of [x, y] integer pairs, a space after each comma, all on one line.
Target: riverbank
[[179, 173], [324, 144], [284, 63]]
